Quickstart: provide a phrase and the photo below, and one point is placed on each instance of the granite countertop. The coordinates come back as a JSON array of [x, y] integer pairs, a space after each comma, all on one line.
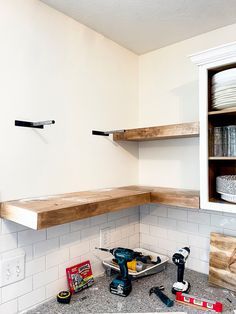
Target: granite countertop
[[98, 299]]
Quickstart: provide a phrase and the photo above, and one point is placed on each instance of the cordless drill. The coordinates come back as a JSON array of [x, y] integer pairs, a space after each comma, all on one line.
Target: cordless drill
[[121, 285], [180, 258]]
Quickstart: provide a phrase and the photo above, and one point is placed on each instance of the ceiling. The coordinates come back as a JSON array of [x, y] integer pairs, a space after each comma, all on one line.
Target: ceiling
[[145, 25]]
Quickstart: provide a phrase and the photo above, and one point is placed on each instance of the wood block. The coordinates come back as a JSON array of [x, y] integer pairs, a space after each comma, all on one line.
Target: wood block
[[222, 268]]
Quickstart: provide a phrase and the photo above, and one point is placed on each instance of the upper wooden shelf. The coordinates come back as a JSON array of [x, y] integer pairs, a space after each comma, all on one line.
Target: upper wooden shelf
[[222, 112], [159, 132], [44, 212]]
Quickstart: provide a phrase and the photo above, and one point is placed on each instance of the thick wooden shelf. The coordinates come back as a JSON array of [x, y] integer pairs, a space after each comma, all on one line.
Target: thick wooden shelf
[[171, 196], [45, 212], [49, 211], [159, 132]]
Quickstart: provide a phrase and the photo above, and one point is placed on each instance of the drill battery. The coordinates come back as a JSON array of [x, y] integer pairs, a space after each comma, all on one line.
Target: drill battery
[[120, 287]]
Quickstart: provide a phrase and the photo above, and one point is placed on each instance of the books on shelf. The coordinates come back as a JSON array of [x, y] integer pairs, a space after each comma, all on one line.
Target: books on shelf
[[224, 141]]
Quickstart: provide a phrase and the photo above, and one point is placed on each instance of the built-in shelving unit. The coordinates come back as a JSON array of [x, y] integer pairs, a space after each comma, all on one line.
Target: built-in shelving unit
[[163, 132], [211, 62], [44, 212]]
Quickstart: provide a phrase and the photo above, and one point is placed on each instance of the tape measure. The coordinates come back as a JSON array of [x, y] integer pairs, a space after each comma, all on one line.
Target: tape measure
[[64, 297]]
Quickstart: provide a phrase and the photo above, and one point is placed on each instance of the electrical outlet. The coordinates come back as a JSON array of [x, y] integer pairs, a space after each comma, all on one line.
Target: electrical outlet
[[105, 237], [12, 267]]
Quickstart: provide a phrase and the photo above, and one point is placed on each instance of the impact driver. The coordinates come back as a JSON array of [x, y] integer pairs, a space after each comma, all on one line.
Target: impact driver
[[121, 285]]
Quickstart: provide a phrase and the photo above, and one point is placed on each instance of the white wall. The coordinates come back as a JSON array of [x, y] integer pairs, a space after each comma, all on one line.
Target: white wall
[[168, 90], [52, 67]]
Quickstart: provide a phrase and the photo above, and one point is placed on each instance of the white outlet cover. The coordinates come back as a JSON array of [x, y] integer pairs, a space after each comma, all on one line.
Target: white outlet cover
[[12, 267]]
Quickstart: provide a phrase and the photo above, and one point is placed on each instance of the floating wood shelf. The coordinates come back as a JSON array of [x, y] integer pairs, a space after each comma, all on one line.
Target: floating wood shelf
[[171, 196], [45, 212], [49, 211], [222, 112], [159, 132]]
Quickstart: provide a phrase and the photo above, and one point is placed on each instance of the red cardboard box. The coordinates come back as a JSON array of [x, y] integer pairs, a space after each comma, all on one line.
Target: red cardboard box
[[79, 276]]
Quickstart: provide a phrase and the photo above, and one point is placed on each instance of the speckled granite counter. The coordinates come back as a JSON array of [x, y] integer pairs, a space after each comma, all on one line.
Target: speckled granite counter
[[97, 299]]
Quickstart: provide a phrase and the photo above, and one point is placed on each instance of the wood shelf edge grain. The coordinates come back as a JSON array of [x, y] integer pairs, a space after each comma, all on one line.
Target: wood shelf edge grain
[[60, 209], [163, 132], [170, 196]]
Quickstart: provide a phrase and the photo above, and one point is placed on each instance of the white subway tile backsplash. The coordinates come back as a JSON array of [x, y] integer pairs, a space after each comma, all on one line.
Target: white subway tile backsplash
[[198, 265], [145, 209], [229, 232], [43, 278], [57, 257], [134, 219], [167, 223], [159, 211], [117, 214], [90, 233], [148, 239], [226, 222], [177, 236], [198, 241], [46, 261], [188, 227], [158, 232], [98, 220], [149, 219], [17, 289], [30, 236], [199, 217], [121, 222], [35, 266], [80, 224], [58, 231], [55, 286], [70, 238], [9, 307], [159, 228], [44, 247], [31, 299], [8, 242], [70, 263], [79, 249], [206, 230], [28, 252], [177, 214], [10, 226], [144, 228]]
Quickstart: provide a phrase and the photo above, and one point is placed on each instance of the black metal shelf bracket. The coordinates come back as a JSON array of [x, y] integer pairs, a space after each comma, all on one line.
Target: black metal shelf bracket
[[106, 133], [37, 125]]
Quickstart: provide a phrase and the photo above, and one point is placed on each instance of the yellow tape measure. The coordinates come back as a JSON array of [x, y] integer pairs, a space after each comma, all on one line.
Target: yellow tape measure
[[64, 297]]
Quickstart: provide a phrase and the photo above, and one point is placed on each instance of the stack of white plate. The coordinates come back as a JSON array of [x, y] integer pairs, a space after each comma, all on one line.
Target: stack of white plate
[[224, 89]]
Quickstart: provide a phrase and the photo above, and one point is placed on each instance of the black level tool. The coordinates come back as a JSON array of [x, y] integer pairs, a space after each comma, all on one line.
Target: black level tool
[[157, 290]]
